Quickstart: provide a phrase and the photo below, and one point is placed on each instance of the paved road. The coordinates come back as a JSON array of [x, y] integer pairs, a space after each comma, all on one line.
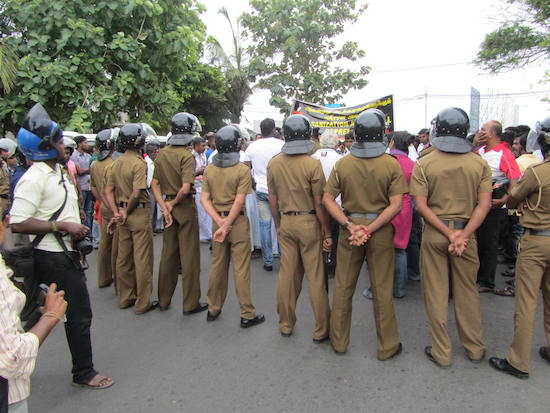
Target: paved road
[[164, 362]]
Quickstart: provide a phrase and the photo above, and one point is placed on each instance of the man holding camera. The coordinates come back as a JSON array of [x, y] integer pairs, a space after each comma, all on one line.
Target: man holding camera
[[46, 205]]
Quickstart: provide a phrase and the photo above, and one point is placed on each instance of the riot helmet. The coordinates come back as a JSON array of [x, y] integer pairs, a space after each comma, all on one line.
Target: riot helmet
[[39, 135], [8, 146], [450, 130], [183, 127], [105, 143], [228, 144], [228, 139], [131, 136], [370, 134], [297, 131]]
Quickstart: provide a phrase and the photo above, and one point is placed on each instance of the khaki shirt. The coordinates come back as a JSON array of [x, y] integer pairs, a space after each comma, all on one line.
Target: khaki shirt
[[224, 184], [426, 151], [174, 166], [295, 180], [451, 182], [98, 174], [366, 184], [528, 189], [127, 173], [4, 181]]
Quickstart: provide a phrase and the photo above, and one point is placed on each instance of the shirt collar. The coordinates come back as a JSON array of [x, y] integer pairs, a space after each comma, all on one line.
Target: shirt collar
[[43, 167], [397, 152]]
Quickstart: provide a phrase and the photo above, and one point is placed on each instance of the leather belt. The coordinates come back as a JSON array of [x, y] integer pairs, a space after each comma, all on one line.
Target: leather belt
[[169, 197], [455, 224], [312, 212], [366, 216], [226, 213], [139, 205], [545, 233]]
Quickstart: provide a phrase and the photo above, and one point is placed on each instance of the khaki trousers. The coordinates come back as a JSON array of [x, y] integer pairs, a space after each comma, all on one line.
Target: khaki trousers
[[105, 251], [134, 272], [301, 251], [436, 264], [236, 248], [379, 254], [180, 245], [4, 204], [532, 274]]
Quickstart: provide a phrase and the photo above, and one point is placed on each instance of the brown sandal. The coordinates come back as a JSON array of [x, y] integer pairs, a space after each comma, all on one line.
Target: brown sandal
[[103, 383]]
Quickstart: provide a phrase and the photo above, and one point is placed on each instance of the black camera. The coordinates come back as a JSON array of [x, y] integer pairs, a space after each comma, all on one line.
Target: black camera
[[84, 246]]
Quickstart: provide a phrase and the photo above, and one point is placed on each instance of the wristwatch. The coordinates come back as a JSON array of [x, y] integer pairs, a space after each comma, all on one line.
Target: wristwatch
[[346, 224]]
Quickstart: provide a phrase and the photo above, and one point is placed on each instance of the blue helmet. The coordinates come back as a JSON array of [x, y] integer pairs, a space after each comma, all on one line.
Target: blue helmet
[[39, 135]]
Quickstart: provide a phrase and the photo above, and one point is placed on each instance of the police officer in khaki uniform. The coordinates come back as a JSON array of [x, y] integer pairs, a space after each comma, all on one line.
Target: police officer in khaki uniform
[[105, 144], [372, 185], [225, 184], [533, 262], [7, 147], [174, 177], [295, 184], [452, 192], [126, 195]]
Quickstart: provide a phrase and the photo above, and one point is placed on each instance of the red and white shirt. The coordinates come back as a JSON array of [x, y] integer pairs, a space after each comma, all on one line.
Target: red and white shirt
[[502, 162]]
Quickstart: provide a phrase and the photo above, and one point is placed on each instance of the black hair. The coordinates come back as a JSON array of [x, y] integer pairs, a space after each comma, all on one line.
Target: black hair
[[508, 137], [401, 140], [315, 133], [544, 142], [266, 126], [198, 140]]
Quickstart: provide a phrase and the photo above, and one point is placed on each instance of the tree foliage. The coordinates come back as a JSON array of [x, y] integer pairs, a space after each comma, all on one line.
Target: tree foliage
[[235, 68], [87, 61], [204, 96], [294, 51], [519, 41]]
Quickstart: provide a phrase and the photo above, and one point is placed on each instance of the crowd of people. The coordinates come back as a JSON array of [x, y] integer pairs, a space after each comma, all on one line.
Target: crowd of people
[[434, 207]]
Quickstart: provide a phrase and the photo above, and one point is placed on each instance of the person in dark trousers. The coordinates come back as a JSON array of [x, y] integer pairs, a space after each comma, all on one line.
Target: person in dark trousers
[[46, 205]]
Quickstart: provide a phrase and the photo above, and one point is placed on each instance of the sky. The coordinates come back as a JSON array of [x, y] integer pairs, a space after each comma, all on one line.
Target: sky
[[419, 52]]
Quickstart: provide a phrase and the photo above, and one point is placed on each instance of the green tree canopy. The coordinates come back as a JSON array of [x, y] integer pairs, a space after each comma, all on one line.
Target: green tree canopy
[[88, 61], [294, 52], [523, 39], [235, 68]]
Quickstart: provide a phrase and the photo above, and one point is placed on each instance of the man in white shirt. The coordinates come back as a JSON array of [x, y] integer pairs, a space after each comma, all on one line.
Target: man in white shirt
[[328, 157], [257, 155], [40, 193]]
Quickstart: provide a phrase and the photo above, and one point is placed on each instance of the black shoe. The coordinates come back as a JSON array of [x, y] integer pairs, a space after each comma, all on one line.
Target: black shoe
[[268, 267], [198, 309], [212, 317], [397, 352], [544, 353], [164, 308], [286, 334], [478, 360], [428, 353], [504, 366], [259, 319], [154, 305], [321, 340]]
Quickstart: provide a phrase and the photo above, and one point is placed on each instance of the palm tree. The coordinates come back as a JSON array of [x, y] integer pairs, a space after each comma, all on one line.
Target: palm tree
[[8, 66], [234, 68]]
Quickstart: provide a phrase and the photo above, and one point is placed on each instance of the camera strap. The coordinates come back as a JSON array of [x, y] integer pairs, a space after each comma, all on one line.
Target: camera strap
[[58, 235], [56, 214]]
